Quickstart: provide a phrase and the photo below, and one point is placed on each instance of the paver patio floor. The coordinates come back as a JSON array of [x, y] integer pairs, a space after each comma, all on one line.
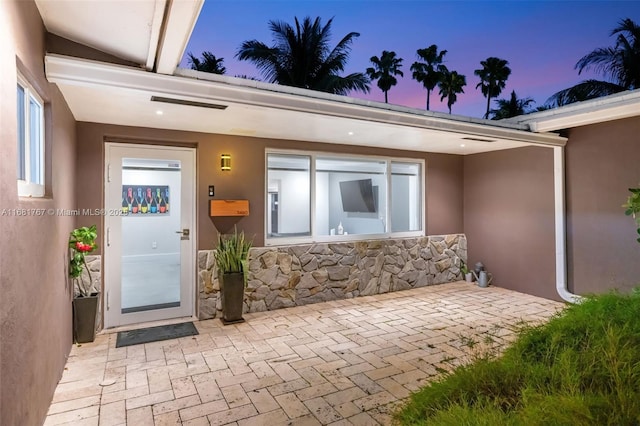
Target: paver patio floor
[[344, 362]]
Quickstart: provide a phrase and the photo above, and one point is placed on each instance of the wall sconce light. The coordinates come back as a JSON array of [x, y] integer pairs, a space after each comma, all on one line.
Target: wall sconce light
[[225, 162]]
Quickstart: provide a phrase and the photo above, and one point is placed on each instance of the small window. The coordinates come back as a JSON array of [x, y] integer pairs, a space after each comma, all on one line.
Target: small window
[[406, 202], [289, 196], [30, 150]]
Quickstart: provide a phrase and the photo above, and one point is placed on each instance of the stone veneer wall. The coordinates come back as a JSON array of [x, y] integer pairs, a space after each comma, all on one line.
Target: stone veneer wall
[[287, 276]]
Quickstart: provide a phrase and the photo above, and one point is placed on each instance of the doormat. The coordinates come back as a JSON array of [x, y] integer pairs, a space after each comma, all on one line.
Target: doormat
[[155, 334]]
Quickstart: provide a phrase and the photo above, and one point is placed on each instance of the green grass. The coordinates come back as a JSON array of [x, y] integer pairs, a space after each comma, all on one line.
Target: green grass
[[580, 368]]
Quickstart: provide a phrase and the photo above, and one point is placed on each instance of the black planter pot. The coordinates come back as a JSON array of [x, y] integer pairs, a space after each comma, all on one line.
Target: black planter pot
[[85, 310], [232, 296]]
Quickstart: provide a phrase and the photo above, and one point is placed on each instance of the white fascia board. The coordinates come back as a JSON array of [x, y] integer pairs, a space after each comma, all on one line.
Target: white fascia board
[[154, 36], [314, 94], [608, 108], [60, 69], [180, 20]]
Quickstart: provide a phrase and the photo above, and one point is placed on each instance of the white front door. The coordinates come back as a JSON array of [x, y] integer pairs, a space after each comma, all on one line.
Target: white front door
[[149, 245]]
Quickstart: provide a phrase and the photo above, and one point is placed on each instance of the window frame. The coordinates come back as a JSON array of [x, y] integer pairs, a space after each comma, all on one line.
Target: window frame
[[313, 238], [27, 188]]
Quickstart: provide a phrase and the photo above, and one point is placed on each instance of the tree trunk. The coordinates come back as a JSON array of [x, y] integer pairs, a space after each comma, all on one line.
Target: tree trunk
[[428, 93], [486, 114], [386, 100]]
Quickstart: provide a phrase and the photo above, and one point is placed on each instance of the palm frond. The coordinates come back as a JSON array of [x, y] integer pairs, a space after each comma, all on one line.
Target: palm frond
[[301, 56], [588, 89], [511, 107], [618, 64]]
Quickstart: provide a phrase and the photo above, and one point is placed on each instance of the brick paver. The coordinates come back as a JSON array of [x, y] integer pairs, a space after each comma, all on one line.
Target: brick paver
[[343, 362]]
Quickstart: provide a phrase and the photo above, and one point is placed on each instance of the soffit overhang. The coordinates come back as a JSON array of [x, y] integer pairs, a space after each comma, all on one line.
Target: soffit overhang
[[151, 33], [111, 94], [608, 108]]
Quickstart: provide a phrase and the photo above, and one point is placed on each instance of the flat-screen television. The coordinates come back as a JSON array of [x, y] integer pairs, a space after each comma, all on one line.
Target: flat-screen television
[[358, 196]]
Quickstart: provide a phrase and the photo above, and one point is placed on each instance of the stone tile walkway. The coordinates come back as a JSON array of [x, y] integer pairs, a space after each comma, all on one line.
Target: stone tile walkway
[[342, 362]]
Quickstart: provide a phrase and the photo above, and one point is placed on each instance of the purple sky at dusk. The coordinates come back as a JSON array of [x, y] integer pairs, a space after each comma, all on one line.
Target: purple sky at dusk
[[542, 40]]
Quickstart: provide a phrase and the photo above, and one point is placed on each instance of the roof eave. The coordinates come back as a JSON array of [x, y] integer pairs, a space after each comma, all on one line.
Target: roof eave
[[61, 69], [608, 108]]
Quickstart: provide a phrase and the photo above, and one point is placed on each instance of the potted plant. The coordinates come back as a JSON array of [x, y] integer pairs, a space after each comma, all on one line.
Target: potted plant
[[231, 257], [632, 207], [468, 276], [82, 241]]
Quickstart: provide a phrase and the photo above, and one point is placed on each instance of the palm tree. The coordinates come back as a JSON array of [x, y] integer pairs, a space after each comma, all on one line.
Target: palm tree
[[301, 57], [384, 69], [430, 70], [493, 77], [511, 107], [450, 85], [209, 63], [619, 65]]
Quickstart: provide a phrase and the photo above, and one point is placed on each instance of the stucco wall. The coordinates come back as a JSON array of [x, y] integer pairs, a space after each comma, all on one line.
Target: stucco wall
[[509, 217], [602, 163], [246, 179], [35, 300]]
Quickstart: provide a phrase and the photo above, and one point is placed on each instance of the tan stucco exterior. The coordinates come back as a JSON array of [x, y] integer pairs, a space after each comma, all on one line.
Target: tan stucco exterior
[[509, 217], [503, 201], [35, 299], [602, 163]]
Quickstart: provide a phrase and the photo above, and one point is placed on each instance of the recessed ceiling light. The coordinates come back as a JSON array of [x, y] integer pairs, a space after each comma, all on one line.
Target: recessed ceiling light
[[159, 112], [461, 145], [350, 133]]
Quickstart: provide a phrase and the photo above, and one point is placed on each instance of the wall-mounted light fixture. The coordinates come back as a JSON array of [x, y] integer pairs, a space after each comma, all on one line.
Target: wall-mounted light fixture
[[225, 162]]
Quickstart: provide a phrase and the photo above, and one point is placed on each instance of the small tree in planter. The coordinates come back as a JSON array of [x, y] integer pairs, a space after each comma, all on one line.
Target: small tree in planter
[[632, 207], [82, 241], [231, 257]]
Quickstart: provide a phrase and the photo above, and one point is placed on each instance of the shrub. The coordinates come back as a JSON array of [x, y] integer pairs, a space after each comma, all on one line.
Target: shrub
[[581, 368]]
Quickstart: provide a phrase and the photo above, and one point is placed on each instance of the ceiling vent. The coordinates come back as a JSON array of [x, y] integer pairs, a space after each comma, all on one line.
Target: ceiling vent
[[187, 103], [478, 139]]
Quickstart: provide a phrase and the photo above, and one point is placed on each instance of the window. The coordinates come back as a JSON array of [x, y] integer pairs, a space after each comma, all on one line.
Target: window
[[350, 196], [30, 167], [331, 197], [406, 187], [289, 196]]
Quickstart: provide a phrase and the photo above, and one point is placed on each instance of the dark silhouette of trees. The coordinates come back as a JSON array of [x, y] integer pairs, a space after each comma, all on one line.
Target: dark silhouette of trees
[[493, 77], [209, 63], [511, 107], [429, 69], [384, 69], [619, 65], [300, 56], [450, 86]]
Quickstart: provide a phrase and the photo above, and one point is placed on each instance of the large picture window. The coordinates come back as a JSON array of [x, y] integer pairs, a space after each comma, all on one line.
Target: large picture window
[[321, 197], [30, 149]]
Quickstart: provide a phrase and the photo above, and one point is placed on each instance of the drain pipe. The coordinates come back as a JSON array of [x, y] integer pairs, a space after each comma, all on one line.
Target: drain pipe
[[561, 229]]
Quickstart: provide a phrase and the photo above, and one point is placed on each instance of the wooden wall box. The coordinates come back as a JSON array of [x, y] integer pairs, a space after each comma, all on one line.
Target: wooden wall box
[[229, 207]]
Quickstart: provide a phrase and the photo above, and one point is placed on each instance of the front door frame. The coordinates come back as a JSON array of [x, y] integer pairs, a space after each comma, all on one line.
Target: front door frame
[[110, 239]]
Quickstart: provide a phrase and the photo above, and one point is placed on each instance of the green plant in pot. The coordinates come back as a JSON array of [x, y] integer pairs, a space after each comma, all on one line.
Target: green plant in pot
[[82, 241], [632, 207], [468, 276], [231, 257]]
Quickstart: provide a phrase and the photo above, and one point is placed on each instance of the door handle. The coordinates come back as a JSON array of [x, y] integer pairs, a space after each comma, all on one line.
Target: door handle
[[184, 234]]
